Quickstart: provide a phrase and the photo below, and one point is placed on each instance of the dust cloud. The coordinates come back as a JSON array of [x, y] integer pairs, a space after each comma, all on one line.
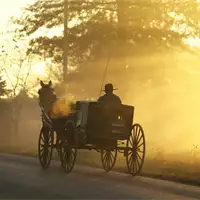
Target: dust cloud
[[62, 107], [163, 88]]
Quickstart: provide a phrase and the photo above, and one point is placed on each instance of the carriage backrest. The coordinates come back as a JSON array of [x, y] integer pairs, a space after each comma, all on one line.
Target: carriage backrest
[[82, 112], [109, 121]]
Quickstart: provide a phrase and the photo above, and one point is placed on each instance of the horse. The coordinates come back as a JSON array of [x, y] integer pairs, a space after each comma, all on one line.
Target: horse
[[58, 111]]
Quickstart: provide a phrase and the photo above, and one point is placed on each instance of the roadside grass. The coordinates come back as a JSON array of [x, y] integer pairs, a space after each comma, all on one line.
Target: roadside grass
[[177, 168]]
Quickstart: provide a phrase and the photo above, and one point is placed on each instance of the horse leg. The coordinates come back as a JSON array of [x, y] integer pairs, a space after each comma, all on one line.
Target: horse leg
[[58, 141], [59, 144]]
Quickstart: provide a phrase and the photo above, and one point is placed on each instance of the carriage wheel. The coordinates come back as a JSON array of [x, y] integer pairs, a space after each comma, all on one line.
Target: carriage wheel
[[68, 148], [135, 150], [108, 159], [45, 147]]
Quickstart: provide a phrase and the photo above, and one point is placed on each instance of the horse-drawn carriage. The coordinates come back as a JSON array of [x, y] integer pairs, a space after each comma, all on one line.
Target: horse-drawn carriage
[[93, 126]]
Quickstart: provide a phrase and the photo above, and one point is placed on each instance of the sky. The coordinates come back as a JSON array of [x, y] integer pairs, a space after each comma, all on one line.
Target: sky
[[11, 8], [14, 8]]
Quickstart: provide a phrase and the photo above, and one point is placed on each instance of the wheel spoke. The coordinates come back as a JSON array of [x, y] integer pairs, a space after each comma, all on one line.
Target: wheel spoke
[[107, 162], [138, 146], [137, 163], [41, 149], [104, 156], [131, 140], [131, 162], [42, 138], [139, 151], [113, 157], [137, 142], [135, 132], [138, 155], [108, 158], [138, 134], [129, 153], [130, 157], [50, 142]]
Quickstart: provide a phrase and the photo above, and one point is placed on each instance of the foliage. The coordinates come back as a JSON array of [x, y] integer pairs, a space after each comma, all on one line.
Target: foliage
[[135, 26], [108, 28], [3, 90]]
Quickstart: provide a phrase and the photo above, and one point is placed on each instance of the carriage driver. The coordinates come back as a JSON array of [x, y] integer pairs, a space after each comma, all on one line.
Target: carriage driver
[[109, 98]]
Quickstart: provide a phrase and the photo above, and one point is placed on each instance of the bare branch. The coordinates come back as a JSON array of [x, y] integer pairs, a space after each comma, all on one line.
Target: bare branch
[[28, 74], [18, 76]]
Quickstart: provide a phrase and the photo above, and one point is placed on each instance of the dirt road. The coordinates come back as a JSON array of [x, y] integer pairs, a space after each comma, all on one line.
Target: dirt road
[[22, 177]]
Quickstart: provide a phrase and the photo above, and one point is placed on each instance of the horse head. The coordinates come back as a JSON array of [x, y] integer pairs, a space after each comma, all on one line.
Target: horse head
[[47, 96], [45, 89]]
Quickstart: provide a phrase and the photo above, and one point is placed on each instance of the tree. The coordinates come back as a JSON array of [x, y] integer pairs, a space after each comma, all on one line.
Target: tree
[[15, 64], [99, 25], [3, 89], [115, 29], [16, 67]]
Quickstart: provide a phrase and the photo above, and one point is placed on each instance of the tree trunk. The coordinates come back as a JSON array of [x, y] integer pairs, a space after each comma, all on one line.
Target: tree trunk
[[123, 23], [122, 8]]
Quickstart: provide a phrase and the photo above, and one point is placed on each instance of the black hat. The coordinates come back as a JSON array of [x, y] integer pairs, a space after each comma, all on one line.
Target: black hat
[[109, 86]]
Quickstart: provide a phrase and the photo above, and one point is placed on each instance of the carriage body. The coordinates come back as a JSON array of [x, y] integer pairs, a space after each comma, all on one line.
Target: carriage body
[[103, 124], [103, 127]]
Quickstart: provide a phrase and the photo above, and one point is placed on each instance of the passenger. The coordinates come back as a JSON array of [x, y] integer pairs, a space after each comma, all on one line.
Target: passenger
[[109, 98]]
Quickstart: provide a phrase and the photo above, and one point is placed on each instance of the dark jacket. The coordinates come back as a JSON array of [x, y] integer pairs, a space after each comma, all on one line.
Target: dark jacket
[[110, 99]]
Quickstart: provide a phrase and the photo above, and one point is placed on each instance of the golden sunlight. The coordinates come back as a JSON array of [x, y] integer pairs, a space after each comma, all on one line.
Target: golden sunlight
[[39, 69], [193, 42], [10, 8], [163, 86]]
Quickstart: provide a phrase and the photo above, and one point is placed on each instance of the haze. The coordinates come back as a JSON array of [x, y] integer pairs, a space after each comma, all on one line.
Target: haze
[[168, 109]]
